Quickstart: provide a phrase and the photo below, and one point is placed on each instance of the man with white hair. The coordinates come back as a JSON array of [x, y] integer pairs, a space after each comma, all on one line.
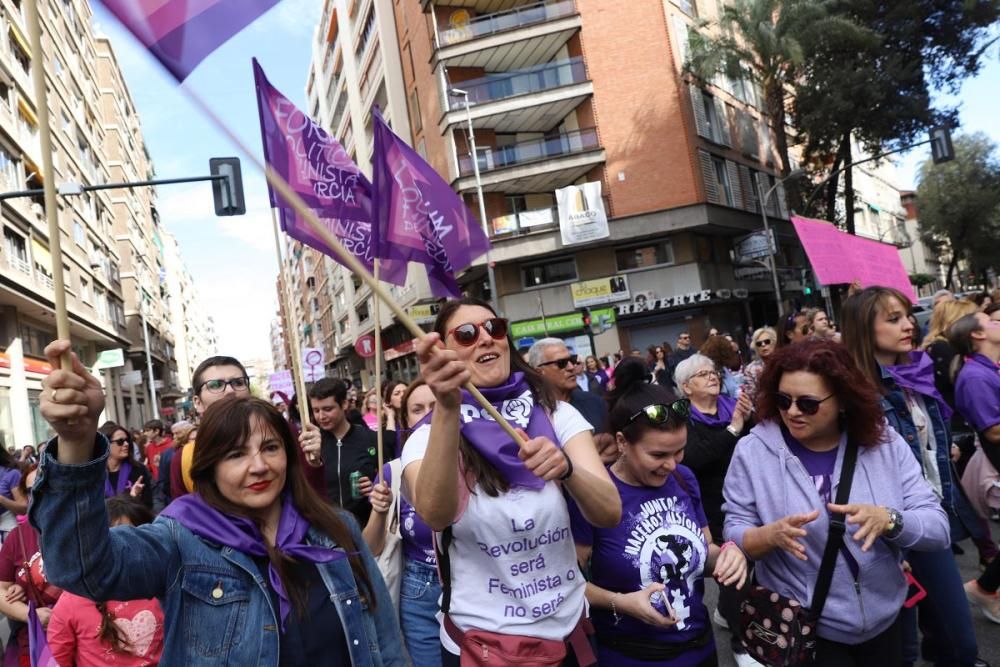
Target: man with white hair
[[943, 295], [551, 358]]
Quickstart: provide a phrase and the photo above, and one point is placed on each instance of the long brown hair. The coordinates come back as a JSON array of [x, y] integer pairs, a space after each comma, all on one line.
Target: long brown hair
[[477, 468], [857, 317], [120, 507], [225, 426]]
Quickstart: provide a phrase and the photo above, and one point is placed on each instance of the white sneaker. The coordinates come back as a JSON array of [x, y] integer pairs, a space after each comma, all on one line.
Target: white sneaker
[[719, 620], [744, 660], [988, 603]]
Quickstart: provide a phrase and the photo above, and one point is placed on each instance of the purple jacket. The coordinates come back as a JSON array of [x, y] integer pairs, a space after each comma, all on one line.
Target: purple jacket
[[766, 482]]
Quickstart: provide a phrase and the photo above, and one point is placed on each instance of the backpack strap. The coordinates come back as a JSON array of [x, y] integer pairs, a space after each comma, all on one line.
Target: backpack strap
[[838, 528]]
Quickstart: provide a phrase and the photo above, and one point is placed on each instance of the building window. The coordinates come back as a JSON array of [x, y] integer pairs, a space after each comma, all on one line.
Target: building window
[[363, 312], [722, 178], [79, 236], [9, 167], [715, 117], [553, 271], [416, 122], [17, 251], [645, 256], [687, 6], [84, 290]]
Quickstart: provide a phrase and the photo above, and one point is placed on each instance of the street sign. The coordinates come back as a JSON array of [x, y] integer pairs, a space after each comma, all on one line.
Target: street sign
[[754, 246], [365, 346], [131, 379], [110, 359], [942, 149], [312, 364]]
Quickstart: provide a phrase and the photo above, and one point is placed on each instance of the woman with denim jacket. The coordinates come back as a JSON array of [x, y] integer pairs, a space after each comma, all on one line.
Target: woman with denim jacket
[[252, 568], [879, 335]]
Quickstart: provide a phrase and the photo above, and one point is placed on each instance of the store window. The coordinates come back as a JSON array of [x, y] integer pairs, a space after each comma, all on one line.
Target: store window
[[645, 256], [6, 421], [39, 427], [553, 271]]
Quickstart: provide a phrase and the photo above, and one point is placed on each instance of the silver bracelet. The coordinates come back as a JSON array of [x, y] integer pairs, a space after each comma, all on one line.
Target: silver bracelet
[[614, 610]]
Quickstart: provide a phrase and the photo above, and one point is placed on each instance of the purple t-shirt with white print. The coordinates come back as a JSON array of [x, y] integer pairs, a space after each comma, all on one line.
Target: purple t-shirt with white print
[[659, 540], [418, 541]]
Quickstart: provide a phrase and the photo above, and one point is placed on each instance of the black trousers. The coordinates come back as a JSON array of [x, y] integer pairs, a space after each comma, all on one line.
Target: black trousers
[[880, 651]]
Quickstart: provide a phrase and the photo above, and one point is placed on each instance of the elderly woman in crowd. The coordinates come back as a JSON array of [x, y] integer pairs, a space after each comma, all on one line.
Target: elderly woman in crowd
[[716, 423], [780, 493], [763, 341]]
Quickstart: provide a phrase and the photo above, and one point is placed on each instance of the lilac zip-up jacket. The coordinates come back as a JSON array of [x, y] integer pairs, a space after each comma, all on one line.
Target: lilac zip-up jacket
[[766, 482]]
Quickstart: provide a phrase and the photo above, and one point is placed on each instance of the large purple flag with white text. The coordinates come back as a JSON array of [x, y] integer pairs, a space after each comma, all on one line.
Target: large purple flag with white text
[[321, 172], [418, 217], [181, 33]]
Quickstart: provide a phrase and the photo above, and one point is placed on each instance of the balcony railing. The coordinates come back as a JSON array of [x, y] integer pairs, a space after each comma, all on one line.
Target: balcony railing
[[518, 17], [21, 265], [522, 82], [515, 224], [577, 141]]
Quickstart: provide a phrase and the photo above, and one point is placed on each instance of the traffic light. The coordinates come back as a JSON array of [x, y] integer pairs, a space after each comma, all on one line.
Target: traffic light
[[804, 279], [942, 149], [227, 187]]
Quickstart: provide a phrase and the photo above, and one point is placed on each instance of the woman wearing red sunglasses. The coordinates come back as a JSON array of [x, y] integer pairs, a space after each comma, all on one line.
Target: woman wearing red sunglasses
[[511, 583], [782, 493]]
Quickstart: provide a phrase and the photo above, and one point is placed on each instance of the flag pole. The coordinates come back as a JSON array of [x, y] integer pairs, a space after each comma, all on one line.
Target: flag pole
[[378, 371], [343, 256], [284, 293], [48, 176]]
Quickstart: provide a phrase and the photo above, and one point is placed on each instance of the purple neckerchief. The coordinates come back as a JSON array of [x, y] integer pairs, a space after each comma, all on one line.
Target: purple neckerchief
[[122, 484], [723, 415], [243, 535], [515, 403], [918, 377]]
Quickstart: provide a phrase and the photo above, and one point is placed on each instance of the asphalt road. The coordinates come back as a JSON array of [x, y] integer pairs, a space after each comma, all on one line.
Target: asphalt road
[[987, 632]]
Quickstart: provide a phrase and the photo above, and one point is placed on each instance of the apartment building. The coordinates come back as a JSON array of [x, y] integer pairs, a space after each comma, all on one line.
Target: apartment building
[[568, 92], [90, 257]]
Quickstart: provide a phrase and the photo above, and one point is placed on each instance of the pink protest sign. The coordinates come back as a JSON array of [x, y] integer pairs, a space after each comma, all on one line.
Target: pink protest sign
[[840, 258]]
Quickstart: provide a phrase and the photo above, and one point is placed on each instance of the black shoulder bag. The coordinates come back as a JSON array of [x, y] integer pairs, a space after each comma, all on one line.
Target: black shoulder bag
[[778, 631]]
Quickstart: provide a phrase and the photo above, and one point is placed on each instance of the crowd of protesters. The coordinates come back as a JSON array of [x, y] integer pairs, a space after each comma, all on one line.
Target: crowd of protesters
[[825, 476]]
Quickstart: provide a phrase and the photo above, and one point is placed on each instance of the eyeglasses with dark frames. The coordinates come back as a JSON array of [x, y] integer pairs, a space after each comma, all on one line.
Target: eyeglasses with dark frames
[[561, 364], [808, 405], [467, 334], [660, 413], [219, 386]]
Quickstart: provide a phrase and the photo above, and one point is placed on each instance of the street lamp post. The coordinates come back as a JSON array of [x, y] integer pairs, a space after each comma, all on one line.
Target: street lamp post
[[464, 94], [149, 363]]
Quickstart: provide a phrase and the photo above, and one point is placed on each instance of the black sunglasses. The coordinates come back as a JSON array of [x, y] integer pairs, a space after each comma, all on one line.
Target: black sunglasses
[[660, 413], [219, 386], [562, 363], [467, 334], [806, 404], [119, 441], [763, 342]]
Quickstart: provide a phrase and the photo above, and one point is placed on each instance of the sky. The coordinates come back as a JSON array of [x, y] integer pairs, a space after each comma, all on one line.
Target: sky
[[231, 259]]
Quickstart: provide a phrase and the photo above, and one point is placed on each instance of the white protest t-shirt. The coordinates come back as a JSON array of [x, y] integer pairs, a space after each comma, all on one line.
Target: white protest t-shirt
[[513, 560]]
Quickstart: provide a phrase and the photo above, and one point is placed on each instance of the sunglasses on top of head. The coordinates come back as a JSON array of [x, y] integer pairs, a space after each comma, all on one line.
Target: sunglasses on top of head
[[807, 404], [571, 360], [467, 334], [660, 413]]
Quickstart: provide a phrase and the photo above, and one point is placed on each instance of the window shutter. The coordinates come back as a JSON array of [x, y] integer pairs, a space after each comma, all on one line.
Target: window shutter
[[708, 175], [779, 194], [749, 135], [698, 106], [720, 111], [734, 183], [749, 193]]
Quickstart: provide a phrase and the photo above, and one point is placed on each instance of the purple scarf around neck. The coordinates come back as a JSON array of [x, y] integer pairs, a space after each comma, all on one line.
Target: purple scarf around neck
[[514, 401], [122, 484], [723, 415], [243, 535], [918, 377]]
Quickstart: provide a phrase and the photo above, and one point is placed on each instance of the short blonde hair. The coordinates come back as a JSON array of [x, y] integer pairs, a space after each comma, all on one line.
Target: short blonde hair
[[944, 315], [761, 331]]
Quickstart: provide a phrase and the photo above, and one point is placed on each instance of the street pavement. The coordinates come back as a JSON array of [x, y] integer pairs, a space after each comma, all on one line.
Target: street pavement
[[987, 633]]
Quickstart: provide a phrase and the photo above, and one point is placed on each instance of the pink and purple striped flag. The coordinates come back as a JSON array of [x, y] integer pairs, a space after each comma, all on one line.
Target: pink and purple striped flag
[[419, 218], [181, 33], [321, 172]]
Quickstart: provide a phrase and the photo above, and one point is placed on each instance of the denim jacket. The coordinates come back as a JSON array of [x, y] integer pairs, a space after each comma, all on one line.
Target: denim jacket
[[166, 561], [897, 412]]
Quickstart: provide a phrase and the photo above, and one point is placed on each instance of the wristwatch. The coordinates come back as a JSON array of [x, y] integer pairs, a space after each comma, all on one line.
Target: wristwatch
[[895, 526]]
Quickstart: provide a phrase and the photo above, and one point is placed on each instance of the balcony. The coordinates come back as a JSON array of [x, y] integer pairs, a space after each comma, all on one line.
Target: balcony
[[537, 165], [525, 222], [534, 99], [18, 264], [509, 39]]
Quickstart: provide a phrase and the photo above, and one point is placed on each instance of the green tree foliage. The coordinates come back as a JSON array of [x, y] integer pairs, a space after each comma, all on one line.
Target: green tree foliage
[[960, 201]]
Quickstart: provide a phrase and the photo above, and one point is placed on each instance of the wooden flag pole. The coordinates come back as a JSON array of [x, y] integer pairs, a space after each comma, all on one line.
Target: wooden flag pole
[[48, 176], [378, 373], [343, 256], [284, 293]]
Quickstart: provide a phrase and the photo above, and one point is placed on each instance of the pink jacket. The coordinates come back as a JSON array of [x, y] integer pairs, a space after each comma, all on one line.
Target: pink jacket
[[75, 621]]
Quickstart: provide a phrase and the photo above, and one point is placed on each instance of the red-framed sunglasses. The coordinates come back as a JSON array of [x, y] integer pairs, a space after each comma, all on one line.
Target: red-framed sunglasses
[[467, 334]]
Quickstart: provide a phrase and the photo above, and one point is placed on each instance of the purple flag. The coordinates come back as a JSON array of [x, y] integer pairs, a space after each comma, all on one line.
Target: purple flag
[[181, 33], [318, 168], [419, 218], [38, 642]]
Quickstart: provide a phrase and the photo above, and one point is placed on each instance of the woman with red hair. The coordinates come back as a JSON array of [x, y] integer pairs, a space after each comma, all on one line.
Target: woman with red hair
[[818, 410]]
